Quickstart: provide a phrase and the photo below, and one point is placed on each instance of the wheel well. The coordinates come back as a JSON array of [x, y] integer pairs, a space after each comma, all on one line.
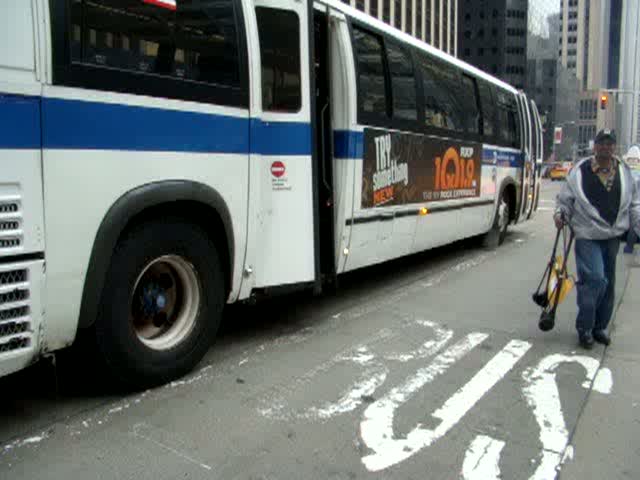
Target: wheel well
[[197, 213], [510, 191]]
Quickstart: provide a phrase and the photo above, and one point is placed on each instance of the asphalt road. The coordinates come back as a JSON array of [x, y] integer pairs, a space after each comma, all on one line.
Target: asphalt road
[[430, 367]]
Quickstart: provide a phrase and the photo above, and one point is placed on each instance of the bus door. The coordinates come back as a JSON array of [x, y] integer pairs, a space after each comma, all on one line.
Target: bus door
[[536, 125], [529, 161], [325, 25], [284, 201]]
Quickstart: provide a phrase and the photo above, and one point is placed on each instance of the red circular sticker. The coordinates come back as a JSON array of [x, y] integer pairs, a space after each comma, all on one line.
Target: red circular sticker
[[277, 169]]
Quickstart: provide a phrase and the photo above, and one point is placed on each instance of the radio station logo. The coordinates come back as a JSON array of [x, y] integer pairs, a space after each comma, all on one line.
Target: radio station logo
[[455, 175]]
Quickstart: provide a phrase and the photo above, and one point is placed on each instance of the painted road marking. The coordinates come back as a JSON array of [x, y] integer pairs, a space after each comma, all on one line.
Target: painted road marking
[[377, 427], [481, 462], [482, 457], [541, 392]]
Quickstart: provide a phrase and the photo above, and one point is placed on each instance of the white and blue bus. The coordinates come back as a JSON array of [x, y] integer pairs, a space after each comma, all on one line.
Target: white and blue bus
[[162, 158]]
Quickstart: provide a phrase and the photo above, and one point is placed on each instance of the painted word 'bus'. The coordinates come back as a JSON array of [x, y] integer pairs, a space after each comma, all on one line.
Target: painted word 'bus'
[[161, 158]]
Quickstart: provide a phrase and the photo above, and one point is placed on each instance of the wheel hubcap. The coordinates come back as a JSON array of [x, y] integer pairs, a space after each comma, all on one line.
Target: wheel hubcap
[[165, 302]]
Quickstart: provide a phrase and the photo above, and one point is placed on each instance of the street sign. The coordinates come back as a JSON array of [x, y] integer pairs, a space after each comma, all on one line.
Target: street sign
[[557, 136], [277, 169]]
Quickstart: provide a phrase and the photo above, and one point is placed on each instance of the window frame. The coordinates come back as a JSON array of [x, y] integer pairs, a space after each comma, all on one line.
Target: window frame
[[95, 77], [465, 135], [298, 50], [403, 123], [363, 117], [476, 137], [493, 138]]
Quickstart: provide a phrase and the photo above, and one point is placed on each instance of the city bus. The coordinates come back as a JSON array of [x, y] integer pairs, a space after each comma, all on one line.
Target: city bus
[[161, 159]]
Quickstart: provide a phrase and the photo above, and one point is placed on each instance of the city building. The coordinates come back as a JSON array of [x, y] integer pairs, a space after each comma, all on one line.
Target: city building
[[493, 37], [432, 21], [629, 76], [543, 32], [589, 48]]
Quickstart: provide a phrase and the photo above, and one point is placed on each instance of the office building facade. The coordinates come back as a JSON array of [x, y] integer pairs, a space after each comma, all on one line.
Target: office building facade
[[493, 37], [432, 21]]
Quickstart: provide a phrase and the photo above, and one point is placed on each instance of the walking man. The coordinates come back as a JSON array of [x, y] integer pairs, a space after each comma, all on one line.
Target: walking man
[[600, 202]]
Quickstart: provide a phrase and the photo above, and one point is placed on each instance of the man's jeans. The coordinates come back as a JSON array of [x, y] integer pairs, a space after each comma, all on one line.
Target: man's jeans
[[596, 262]]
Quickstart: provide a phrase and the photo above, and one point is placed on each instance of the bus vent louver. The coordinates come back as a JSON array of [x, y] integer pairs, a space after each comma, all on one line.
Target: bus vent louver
[[15, 310], [11, 230]]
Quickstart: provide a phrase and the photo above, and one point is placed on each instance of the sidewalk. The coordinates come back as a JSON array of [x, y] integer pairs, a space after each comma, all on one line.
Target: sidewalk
[[606, 438]]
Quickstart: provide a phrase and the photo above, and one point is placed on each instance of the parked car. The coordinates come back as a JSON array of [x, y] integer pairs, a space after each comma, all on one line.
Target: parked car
[[560, 170]]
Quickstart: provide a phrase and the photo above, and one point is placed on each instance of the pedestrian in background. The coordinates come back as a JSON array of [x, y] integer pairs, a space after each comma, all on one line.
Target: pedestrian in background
[[600, 202], [632, 158]]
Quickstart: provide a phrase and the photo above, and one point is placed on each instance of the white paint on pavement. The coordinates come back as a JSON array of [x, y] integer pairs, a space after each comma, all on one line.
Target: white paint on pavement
[[376, 429], [372, 378], [353, 398], [541, 392], [34, 439], [603, 383], [568, 455], [430, 347], [358, 355], [481, 462]]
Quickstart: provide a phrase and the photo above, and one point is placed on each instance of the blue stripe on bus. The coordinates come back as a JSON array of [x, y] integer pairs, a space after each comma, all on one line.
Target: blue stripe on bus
[[19, 122], [280, 138], [73, 124], [348, 144], [85, 125], [501, 158]]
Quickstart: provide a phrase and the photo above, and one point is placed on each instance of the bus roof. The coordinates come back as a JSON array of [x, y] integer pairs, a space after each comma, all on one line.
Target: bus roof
[[406, 38]]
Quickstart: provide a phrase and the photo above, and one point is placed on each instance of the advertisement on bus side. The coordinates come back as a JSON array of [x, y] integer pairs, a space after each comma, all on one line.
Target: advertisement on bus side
[[400, 168]]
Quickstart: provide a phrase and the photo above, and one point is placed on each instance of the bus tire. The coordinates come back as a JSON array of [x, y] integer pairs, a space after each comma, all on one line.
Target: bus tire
[[496, 236], [161, 305]]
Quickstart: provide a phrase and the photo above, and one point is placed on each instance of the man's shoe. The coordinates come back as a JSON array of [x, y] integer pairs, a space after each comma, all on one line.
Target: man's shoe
[[586, 340], [601, 336]]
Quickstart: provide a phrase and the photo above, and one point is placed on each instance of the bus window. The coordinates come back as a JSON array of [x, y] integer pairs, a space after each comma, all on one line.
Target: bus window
[[470, 101], [488, 112], [279, 32], [197, 41], [403, 83], [508, 127], [441, 89], [514, 124], [371, 76]]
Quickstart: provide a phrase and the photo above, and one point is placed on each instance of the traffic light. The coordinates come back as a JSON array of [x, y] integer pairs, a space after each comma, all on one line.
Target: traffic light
[[603, 102]]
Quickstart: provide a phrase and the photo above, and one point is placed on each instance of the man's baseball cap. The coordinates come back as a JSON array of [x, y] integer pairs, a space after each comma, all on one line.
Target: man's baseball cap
[[606, 134]]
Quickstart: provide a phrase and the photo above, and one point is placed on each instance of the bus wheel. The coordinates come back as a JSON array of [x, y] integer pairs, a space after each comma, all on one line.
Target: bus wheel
[[161, 304], [495, 237]]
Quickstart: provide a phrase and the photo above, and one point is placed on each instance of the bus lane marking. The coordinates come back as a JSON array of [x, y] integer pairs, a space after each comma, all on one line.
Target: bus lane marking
[[481, 461], [377, 427], [541, 392], [375, 376]]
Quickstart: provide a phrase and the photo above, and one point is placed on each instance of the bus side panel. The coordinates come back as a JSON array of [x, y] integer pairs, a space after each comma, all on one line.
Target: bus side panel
[[474, 220], [130, 141], [21, 208]]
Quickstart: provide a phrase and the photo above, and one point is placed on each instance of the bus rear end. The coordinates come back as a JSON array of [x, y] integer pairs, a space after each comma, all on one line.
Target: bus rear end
[[22, 266]]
